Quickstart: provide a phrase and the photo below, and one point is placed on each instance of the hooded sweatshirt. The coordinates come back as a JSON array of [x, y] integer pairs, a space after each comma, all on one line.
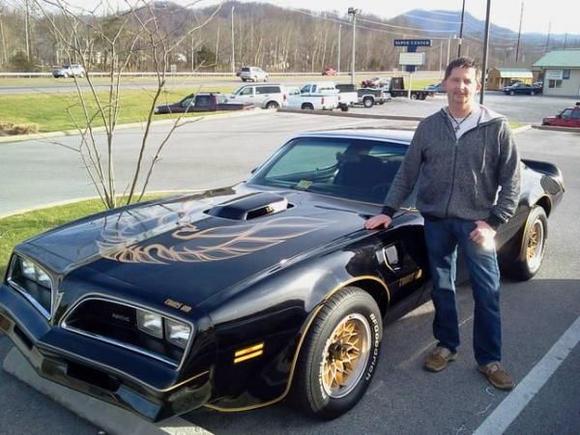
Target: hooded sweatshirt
[[474, 177]]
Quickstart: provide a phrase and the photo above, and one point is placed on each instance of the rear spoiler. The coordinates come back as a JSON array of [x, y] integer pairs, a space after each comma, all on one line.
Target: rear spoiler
[[546, 168]]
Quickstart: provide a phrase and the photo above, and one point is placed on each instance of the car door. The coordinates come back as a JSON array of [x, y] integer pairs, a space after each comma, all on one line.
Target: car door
[[565, 118], [575, 118], [245, 95]]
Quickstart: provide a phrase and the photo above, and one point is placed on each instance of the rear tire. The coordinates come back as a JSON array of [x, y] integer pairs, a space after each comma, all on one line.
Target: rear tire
[[512, 93], [532, 93], [272, 105], [307, 106], [339, 356], [529, 257]]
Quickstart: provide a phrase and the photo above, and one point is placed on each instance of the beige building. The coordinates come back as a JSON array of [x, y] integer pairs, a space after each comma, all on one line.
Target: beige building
[[498, 78], [561, 71]]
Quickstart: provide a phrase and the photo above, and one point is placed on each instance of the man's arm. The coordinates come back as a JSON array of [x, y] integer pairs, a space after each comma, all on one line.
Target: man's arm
[[508, 179], [402, 185]]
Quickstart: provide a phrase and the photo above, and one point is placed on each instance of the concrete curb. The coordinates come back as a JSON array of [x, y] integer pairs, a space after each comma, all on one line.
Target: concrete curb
[[352, 115], [554, 128], [109, 418], [24, 137]]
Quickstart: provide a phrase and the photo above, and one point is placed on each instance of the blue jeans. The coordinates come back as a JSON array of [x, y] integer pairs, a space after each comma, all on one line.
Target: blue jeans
[[442, 237]]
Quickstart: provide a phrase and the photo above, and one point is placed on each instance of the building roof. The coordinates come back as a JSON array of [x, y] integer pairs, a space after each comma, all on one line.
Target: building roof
[[522, 73], [560, 58]]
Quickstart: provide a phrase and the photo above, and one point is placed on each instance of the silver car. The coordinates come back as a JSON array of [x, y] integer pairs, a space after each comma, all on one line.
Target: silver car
[[264, 96], [254, 74]]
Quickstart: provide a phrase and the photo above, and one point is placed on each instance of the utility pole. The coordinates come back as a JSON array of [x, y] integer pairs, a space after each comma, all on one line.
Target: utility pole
[[485, 48], [548, 37], [441, 55], [338, 54], [4, 58], [460, 31], [233, 44], [448, 50], [519, 33], [353, 12], [27, 31]]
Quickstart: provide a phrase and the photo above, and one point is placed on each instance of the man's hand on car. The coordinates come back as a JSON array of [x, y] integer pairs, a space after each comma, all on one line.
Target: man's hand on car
[[378, 221]]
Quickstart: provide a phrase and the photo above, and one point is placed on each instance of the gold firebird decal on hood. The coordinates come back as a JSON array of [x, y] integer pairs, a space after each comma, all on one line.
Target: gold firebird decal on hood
[[213, 244]]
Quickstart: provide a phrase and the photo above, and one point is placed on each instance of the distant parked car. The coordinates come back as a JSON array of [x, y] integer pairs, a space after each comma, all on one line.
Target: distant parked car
[[65, 71], [522, 89], [328, 71], [569, 117], [254, 74], [376, 82], [202, 102], [435, 87], [264, 96]]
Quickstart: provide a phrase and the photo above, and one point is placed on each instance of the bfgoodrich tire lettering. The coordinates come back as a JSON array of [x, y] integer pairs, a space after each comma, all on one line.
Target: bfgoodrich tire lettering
[[339, 356]]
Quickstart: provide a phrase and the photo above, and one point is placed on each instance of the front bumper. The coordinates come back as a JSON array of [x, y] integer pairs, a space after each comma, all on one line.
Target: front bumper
[[115, 375]]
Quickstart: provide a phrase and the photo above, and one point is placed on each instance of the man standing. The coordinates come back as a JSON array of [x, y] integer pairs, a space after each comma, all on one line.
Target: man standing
[[465, 164]]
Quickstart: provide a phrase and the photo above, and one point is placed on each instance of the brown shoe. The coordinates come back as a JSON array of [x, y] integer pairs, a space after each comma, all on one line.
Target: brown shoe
[[438, 359], [497, 376]]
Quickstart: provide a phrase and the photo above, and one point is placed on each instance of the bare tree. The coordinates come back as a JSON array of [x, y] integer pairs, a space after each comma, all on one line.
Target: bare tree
[[120, 38]]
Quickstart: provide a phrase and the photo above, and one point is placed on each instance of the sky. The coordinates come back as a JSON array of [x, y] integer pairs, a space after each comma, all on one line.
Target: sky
[[563, 14]]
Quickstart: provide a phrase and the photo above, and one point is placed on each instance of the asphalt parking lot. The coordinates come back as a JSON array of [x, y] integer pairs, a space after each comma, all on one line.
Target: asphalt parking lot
[[522, 108], [403, 398]]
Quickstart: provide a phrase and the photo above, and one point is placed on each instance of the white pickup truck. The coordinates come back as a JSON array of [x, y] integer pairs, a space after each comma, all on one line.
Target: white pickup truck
[[316, 96]]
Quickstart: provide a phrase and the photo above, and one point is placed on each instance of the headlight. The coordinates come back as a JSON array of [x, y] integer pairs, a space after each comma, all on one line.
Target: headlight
[[24, 269], [172, 331], [150, 323], [33, 282], [177, 333]]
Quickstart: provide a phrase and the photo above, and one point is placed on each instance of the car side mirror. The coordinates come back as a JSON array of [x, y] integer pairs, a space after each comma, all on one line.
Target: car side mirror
[[253, 170]]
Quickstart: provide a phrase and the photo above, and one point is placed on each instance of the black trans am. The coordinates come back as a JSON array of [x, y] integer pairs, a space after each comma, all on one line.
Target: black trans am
[[239, 297]]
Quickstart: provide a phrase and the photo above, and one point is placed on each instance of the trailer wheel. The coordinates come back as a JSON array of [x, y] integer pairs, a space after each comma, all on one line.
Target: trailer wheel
[[413, 96], [368, 102]]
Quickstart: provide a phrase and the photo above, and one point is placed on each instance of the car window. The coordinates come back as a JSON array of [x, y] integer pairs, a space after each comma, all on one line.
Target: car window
[[576, 114], [245, 69], [246, 91], [268, 90], [186, 102], [305, 89], [566, 114], [356, 169]]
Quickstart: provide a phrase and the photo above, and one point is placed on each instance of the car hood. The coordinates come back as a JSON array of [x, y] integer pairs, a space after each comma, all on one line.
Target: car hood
[[190, 248]]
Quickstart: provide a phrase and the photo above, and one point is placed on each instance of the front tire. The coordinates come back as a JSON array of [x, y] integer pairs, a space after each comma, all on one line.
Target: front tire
[[368, 102], [533, 245], [340, 354]]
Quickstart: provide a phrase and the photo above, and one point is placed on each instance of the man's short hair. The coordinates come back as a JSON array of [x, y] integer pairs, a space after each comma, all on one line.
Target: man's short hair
[[461, 62]]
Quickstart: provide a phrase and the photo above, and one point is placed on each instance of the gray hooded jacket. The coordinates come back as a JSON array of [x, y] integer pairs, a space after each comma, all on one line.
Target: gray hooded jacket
[[460, 178]]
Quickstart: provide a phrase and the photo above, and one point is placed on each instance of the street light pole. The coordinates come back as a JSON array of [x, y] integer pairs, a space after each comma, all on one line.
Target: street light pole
[[353, 12], [461, 30], [233, 44], [485, 48], [338, 54]]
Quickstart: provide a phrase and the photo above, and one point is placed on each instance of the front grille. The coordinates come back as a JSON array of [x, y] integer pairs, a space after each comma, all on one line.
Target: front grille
[[116, 323]]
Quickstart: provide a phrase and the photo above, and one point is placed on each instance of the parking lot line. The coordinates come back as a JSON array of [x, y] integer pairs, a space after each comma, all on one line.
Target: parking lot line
[[509, 409]]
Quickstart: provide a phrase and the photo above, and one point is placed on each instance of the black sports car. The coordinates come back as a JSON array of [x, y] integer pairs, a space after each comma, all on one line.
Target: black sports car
[[238, 297], [522, 89]]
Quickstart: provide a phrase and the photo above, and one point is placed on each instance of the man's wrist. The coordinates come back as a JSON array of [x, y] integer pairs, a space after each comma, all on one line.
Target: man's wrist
[[388, 211], [493, 221]]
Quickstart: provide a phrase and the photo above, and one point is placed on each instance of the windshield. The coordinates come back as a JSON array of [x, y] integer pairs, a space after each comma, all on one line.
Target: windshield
[[358, 169]]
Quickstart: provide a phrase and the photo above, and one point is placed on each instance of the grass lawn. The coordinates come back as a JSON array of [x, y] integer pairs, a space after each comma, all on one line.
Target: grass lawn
[[56, 112], [14, 229]]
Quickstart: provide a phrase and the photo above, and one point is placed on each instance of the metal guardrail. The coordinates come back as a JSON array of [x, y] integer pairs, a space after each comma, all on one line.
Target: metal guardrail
[[216, 74]]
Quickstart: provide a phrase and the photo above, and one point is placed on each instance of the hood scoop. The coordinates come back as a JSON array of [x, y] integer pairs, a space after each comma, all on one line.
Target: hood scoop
[[251, 206]]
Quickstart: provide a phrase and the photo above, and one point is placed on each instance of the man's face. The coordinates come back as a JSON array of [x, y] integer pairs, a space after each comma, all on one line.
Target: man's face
[[461, 85]]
